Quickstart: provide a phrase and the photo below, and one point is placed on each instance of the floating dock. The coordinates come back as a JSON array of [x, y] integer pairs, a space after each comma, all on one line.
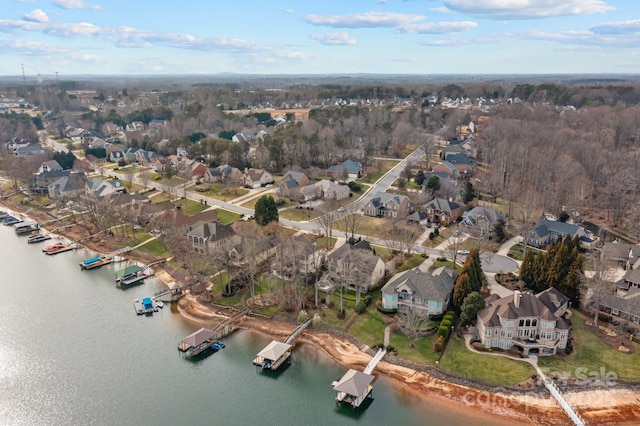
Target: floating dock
[[144, 306], [10, 220], [58, 248], [95, 262], [38, 238]]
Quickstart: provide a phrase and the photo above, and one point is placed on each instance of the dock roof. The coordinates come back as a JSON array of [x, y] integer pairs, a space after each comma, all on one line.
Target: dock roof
[[129, 270], [197, 337], [274, 350], [354, 383]]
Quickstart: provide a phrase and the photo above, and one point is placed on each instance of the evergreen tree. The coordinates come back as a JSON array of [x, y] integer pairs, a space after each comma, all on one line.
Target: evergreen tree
[[539, 273], [266, 210], [476, 276], [527, 269], [461, 289], [471, 305], [559, 266]]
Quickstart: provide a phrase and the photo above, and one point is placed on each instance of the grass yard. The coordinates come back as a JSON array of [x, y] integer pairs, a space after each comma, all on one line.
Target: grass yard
[[220, 192], [324, 241], [490, 369], [226, 217], [591, 353], [422, 352], [411, 262], [516, 252], [373, 177], [190, 207], [156, 248], [369, 327], [444, 233], [299, 215]]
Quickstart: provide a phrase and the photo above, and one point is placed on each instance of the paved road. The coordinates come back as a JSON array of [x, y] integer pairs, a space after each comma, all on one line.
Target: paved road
[[45, 139]]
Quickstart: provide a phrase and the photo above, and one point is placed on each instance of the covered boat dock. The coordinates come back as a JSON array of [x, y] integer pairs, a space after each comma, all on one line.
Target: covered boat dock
[[273, 355], [353, 388], [130, 275], [197, 342]]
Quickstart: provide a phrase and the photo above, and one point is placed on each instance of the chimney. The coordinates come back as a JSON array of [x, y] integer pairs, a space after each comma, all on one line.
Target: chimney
[[516, 298]]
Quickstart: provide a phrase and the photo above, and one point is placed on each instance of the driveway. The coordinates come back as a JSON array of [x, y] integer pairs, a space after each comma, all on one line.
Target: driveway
[[494, 263]]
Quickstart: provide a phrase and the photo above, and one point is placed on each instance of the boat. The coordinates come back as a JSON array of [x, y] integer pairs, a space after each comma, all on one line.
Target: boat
[[160, 304], [10, 220], [3, 214], [217, 345], [58, 248], [95, 262], [130, 275], [38, 238], [26, 227]]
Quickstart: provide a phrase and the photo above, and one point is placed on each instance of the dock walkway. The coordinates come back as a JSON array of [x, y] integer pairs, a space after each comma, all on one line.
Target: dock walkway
[[295, 333], [374, 361]]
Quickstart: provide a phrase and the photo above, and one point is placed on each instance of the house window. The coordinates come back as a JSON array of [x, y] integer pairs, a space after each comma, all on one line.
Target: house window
[[487, 332], [636, 319]]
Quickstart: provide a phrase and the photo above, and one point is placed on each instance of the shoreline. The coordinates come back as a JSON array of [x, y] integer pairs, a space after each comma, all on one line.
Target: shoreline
[[615, 405]]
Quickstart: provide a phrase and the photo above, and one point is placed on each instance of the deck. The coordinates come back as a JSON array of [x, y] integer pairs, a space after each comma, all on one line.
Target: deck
[[62, 249]]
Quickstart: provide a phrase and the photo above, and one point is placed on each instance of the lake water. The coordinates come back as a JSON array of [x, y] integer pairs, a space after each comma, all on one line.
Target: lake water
[[73, 352]]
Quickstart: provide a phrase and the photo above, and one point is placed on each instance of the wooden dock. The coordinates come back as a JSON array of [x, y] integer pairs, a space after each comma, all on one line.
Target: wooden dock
[[59, 249]]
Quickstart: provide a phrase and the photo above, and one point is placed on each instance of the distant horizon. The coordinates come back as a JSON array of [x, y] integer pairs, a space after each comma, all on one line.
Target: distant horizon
[[379, 37]]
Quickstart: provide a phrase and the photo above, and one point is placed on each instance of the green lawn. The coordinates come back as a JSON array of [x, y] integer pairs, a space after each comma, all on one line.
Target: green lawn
[[226, 217], [323, 241], [299, 215], [369, 327], [422, 352], [592, 354], [490, 369], [220, 191], [251, 204], [156, 248], [388, 165], [411, 262], [190, 207], [516, 252]]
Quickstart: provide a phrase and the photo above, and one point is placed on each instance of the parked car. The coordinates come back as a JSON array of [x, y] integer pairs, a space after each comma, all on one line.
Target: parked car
[[462, 252]]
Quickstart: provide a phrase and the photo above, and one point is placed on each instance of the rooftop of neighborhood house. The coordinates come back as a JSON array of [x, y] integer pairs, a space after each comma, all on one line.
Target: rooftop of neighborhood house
[[436, 286]]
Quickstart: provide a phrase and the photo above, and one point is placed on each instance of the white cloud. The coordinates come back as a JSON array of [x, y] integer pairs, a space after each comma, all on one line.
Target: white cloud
[[31, 47], [36, 15], [340, 38], [526, 9], [440, 9], [289, 11], [365, 20], [75, 4], [440, 27], [619, 27]]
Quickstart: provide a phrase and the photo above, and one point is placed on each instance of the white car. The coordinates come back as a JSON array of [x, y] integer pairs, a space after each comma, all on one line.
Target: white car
[[462, 252], [341, 209]]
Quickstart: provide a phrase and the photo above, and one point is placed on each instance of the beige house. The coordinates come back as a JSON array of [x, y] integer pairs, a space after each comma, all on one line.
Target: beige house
[[356, 266], [531, 324], [388, 205], [255, 178]]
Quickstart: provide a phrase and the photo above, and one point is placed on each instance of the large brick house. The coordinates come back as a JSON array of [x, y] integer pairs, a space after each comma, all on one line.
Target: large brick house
[[531, 324]]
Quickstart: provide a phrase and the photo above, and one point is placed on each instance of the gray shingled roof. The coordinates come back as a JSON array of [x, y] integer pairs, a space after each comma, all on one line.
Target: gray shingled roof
[[436, 286], [630, 304], [545, 226], [442, 205], [354, 383]]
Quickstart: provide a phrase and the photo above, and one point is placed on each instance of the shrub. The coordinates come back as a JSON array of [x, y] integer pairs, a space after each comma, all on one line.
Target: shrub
[[386, 311], [443, 331], [438, 344], [316, 321], [445, 323], [367, 299], [360, 307], [303, 316]]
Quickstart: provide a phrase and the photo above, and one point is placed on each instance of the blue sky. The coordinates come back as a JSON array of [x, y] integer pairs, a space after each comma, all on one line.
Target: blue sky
[[319, 36]]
